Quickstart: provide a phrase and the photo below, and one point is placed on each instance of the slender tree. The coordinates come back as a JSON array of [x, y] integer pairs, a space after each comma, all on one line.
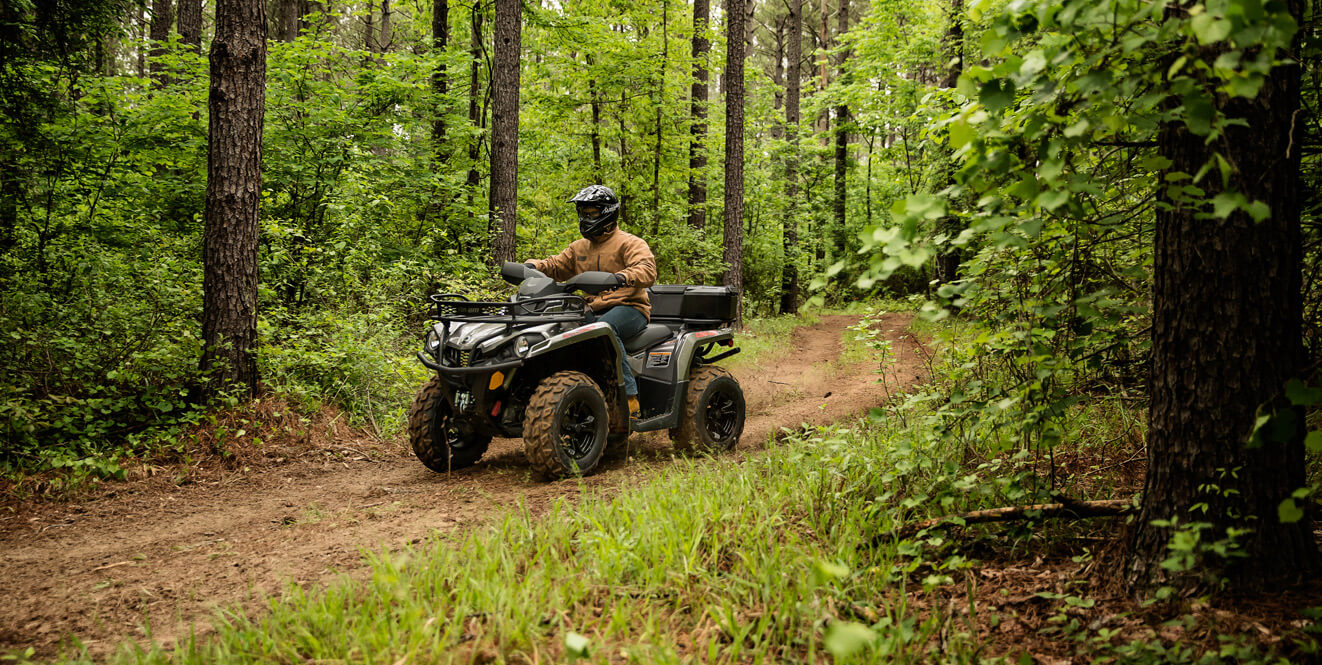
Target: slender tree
[[734, 148], [1226, 338], [789, 275], [287, 20], [948, 258], [698, 117], [234, 186], [440, 81], [841, 144], [659, 106], [387, 27], [505, 128]]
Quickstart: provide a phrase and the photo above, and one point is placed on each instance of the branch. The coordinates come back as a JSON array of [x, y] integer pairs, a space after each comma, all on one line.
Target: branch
[[1071, 509]]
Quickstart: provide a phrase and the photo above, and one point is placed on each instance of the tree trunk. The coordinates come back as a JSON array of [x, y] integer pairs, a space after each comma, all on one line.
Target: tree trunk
[[476, 118], [286, 21], [505, 128], [948, 257], [1225, 339], [190, 24], [440, 82], [597, 175], [789, 273], [698, 118], [234, 188], [369, 30], [839, 205], [161, 19], [660, 97], [734, 152], [386, 27]]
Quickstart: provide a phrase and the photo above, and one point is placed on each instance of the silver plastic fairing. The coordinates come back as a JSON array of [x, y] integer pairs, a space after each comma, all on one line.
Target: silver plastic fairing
[[577, 336]]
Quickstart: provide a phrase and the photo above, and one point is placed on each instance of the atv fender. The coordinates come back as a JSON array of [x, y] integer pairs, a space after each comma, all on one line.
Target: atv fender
[[579, 335]]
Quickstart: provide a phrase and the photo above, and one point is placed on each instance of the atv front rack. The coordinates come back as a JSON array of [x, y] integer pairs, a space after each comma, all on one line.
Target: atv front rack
[[551, 309]]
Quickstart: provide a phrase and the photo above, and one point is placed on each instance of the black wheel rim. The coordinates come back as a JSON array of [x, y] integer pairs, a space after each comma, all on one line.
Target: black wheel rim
[[448, 432], [578, 428], [721, 415]]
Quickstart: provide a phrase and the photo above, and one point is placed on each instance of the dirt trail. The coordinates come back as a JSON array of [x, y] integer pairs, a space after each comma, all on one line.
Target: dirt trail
[[94, 569]]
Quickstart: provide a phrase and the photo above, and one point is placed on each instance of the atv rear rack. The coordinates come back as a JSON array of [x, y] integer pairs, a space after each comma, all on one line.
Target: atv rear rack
[[551, 309]]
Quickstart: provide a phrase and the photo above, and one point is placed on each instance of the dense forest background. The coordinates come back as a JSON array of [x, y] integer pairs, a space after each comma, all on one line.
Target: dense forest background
[[1000, 160]]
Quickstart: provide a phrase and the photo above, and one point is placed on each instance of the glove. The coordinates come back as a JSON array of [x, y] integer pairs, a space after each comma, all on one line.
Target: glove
[[620, 281], [530, 264]]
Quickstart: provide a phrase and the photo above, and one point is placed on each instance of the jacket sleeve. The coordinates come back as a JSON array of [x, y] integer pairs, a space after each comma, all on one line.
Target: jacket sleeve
[[639, 265], [559, 267]]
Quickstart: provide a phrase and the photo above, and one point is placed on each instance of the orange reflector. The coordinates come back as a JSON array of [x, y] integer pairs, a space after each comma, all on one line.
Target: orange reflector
[[497, 379]]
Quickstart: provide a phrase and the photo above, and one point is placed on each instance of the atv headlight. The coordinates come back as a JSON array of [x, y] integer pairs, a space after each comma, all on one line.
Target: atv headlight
[[432, 343]]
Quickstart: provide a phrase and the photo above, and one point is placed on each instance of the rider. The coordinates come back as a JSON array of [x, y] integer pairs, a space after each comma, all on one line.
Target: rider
[[605, 247]]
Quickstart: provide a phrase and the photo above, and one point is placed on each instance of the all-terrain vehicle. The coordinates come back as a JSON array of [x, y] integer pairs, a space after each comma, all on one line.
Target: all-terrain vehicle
[[533, 368]]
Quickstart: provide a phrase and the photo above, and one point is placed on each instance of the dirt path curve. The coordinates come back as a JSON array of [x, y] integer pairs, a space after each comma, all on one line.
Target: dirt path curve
[[94, 569]]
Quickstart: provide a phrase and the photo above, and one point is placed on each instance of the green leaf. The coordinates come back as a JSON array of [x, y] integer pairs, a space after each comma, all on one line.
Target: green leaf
[[1259, 211], [1209, 29], [1288, 512], [576, 645], [960, 134], [1053, 198], [1300, 394], [996, 94], [1198, 114], [1314, 441], [846, 638], [1225, 203]]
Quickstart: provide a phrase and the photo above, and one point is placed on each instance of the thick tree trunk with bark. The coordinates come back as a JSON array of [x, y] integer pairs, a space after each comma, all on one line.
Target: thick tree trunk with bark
[[698, 117], [190, 24], [789, 274], [505, 128], [1225, 340], [234, 188], [948, 257], [734, 151]]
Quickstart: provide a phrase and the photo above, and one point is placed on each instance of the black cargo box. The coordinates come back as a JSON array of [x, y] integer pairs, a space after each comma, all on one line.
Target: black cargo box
[[698, 304]]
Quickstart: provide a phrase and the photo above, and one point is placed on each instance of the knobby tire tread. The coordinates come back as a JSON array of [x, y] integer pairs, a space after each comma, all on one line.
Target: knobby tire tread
[[539, 439], [688, 439], [435, 455]]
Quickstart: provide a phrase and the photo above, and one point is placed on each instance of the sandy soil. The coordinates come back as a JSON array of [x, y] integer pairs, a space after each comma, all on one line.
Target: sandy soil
[[171, 554]]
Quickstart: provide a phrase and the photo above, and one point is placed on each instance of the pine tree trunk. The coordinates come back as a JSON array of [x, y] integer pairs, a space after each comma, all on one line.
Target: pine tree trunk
[[287, 28], [162, 17], [734, 151], [505, 128], [190, 24], [1225, 340], [698, 117], [386, 27], [234, 187], [369, 30], [789, 273]]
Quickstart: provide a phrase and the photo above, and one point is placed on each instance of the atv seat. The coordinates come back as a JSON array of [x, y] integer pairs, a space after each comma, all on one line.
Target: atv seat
[[653, 333]]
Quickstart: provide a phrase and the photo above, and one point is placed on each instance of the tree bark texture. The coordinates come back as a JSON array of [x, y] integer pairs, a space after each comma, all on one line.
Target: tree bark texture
[[190, 24], [948, 256], [734, 153], [1225, 339], [287, 20], [789, 273], [387, 22], [476, 119], [505, 128], [162, 17], [698, 117], [234, 187]]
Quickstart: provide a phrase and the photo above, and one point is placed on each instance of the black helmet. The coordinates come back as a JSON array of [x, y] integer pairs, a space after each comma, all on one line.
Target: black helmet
[[598, 208]]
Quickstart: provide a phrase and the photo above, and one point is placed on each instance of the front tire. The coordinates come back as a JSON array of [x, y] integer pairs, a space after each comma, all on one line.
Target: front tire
[[713, 415], [565, 426], [438, 441]]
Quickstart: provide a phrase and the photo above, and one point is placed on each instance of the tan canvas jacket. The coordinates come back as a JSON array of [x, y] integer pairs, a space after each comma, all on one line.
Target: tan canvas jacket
[[616, 252]]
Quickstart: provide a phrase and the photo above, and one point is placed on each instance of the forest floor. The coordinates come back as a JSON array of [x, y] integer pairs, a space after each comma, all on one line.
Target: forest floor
[[176, 542]]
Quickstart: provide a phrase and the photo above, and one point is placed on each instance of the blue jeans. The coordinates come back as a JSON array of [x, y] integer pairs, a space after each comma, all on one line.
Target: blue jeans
[[626, 322]]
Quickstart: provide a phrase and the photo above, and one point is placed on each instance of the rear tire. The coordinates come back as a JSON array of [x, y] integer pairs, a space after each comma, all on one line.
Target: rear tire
[[438, 442], [713, 417], [565, 426]]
